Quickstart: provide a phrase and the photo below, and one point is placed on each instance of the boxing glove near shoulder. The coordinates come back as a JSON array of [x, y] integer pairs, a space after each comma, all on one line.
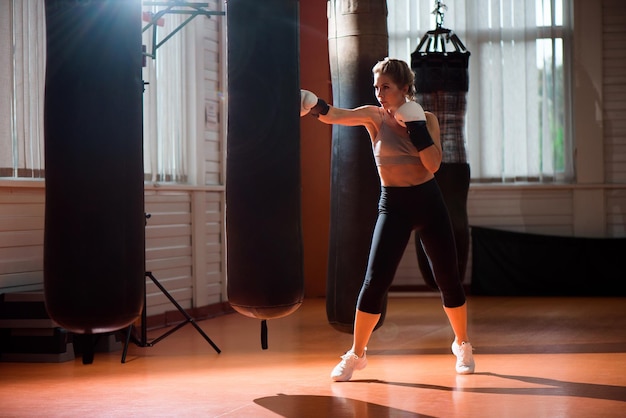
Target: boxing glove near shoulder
[[411, 116]]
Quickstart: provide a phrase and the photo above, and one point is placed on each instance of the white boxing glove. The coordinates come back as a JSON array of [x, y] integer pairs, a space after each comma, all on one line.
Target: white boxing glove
[[412, 117], [308, 100], [310, 103], [409, 112]]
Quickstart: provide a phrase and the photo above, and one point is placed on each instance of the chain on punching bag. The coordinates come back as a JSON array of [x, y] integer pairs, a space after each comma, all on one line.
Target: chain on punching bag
[[94, 268], [265, 276], [357, 39]]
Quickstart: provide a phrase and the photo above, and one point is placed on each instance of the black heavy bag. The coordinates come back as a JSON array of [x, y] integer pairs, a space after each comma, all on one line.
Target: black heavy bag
[[436, 66], [441, 71], [265, 276], [442, 82], [94, 214], [357, 39]]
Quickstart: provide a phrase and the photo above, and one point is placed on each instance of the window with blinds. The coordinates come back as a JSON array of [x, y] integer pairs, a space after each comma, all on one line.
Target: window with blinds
[[518, 123], [22, 80]]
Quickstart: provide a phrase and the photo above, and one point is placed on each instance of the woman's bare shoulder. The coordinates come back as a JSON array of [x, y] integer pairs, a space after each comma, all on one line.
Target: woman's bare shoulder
[[430, 114], [370, 110], [431, 118]]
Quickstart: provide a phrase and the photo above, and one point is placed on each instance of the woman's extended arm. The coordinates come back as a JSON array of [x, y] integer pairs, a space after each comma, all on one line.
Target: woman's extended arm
[[360, 116], [368, 115]]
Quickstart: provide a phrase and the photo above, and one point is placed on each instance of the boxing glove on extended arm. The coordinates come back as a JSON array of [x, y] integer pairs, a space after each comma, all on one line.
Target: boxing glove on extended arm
[[310, 103], [411, 116]]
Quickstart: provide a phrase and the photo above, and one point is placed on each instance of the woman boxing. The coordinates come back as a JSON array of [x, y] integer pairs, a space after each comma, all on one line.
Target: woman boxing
[[407, 150]]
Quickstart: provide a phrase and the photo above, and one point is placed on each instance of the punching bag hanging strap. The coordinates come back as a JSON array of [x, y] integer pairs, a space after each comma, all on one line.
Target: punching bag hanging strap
[[264, 334]]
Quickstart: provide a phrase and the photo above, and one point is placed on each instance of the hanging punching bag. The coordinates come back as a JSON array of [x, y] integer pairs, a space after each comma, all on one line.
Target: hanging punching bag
[[265, 277], [357, 39], [94, 213], [442, 83]]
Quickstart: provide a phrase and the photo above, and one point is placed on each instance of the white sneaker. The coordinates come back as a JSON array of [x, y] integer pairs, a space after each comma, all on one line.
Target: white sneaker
[[464, 357], [348, 364]]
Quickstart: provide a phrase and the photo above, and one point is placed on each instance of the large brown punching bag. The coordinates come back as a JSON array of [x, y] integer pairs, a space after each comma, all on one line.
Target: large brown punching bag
[[265, 274], [442, 83], [94, 268], [357, 39]]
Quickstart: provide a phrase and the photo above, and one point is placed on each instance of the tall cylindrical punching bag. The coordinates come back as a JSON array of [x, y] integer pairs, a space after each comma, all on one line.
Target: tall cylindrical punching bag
[[265, 275], [357, 39], [442, 83], [94, 268]]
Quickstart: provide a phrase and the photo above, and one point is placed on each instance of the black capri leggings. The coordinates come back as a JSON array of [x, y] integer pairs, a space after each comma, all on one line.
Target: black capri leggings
[[400, 211]]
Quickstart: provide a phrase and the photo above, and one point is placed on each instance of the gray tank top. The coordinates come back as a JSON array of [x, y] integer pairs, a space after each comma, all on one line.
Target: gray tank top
[[390, 148]]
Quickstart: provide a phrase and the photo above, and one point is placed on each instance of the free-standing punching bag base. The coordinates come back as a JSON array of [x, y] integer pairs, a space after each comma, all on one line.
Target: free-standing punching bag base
[[357, 39], [94, 265], [265, 275]]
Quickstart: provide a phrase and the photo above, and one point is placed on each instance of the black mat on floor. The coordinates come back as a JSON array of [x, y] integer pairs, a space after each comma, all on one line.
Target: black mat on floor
[[508, 263]]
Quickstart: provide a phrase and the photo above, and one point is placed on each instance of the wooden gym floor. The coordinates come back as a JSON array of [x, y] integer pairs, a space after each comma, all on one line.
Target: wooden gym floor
[[535, 357]]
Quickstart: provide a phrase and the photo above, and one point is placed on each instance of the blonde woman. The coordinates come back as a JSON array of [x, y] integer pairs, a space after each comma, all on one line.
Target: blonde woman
[[407, 150]]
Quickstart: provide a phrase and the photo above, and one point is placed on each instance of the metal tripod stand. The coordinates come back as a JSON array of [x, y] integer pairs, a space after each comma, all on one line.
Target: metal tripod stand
[[183, 8], [142, 341]]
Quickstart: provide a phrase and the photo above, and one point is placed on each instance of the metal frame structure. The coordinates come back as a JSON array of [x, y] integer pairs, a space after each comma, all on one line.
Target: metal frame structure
[[174, 7]]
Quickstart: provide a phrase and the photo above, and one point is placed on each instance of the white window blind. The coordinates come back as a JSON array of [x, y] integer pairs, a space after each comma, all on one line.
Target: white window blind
[[22, 78], [165, 110], [518, 106]]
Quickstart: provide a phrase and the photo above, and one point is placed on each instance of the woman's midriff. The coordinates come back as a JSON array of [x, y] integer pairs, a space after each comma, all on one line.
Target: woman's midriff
[[403, 175]]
